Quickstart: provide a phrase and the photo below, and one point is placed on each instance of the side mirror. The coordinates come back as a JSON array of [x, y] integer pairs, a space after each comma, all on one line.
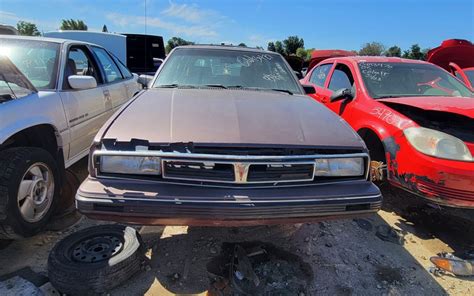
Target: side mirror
[[341, 94], [82, 82], [309, 89], [145, 80]]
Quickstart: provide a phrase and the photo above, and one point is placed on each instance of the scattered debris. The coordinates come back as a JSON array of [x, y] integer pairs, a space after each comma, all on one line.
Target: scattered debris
[[364, 224], [389, 234], [257, 269], [19, 286], [450, 263]]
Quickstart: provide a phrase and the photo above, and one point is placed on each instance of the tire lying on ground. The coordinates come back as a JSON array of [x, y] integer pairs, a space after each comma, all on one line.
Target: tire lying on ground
[[29, 190], [95, 260]]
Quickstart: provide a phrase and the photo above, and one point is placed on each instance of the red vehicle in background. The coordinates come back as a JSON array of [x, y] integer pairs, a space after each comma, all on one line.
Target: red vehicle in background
[[456, 56], [414, 117]]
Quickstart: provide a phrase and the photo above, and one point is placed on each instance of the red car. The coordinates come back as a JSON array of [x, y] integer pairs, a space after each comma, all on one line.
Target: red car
[[414, 117], [456, 56]]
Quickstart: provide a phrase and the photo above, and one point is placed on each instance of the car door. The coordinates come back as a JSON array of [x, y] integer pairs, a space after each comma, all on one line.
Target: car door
[[317, 78], [86, 109], [341, 77], [114, 84], [130, 81]]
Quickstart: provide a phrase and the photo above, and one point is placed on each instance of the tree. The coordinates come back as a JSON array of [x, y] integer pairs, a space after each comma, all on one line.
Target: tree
[[176, 41], [242, 44], [27, 29], [104, 29], [279, 47], [415, 53], [302, 53], [271, 46], [292, 43], [372, 49], [73, 25], [394, 51]]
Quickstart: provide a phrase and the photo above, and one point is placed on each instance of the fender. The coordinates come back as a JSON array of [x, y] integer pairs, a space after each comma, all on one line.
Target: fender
[[15, 127]]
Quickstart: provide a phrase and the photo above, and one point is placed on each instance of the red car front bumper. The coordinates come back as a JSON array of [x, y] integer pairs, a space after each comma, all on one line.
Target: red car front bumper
[[445, 182]]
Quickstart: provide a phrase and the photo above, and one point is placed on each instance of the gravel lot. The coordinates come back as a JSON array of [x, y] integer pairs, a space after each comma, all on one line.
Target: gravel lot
[[343, 257]]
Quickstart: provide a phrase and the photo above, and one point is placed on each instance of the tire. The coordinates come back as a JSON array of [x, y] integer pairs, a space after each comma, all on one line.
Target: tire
[[16, 165], [73, 271]]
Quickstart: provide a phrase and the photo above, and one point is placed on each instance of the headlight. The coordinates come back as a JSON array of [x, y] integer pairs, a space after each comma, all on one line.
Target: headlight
[[339, 167], [134, 165], [437, 144]]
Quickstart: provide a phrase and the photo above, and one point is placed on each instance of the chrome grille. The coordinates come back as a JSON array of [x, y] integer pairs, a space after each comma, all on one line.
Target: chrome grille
[[238, 172]]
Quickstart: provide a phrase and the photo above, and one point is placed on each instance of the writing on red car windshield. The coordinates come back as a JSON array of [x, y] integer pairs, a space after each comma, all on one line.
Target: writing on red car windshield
[[386, 80]]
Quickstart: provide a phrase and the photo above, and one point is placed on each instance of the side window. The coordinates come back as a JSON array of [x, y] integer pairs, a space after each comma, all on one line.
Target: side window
[[320, 74], [125, 72], [112, 72], [341, 78], [79, 62]]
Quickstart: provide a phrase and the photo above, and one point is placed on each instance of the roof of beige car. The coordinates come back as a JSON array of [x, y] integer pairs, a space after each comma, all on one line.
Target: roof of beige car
[[226, 47]]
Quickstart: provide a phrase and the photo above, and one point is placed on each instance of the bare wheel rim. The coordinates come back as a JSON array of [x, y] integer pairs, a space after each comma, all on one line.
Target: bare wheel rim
[[35, 192], [97, 248]]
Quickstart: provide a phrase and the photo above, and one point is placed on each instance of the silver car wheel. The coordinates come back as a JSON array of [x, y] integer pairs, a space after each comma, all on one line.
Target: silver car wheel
[[36, 192]]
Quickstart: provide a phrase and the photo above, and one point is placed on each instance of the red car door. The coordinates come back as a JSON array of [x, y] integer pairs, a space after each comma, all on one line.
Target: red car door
[[318, 78], [340, 77]]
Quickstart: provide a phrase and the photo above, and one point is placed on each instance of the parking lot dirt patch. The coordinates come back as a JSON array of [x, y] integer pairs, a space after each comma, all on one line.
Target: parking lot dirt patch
[[346, 257], [258, 268]]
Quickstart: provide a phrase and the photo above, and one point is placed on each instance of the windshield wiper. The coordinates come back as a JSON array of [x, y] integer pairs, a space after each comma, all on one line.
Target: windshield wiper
[[216, 85], [387, 97], [282, 90], [175, 85]]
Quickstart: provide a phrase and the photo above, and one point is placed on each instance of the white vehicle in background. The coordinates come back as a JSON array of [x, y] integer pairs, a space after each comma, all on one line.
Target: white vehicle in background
[[142, 54], [54, 96]]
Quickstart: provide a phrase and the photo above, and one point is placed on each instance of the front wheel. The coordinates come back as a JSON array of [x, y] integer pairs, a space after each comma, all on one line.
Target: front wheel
[[29, 189]]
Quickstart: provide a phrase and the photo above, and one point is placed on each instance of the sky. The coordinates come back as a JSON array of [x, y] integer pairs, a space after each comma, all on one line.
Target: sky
[[330, 24]]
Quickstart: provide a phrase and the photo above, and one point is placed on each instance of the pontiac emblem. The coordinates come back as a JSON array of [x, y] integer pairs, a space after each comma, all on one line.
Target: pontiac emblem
[[241, 171]]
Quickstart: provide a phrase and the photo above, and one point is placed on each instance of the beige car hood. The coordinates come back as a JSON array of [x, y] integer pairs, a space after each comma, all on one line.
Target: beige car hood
[[230, 117]]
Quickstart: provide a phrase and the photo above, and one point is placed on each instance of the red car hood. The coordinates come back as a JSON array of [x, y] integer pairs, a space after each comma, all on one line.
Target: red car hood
[[460, 52], [459, 105]]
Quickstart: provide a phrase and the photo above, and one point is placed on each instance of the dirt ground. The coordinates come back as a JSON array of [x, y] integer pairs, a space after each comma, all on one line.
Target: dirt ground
[[343, 257]]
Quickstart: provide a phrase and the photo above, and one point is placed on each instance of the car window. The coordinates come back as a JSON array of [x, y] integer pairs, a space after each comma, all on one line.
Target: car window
[[79, 62], [341, 78], [227, 68], [37, 60], [125, 72], [319, 75], [386, 79], [112, 72]]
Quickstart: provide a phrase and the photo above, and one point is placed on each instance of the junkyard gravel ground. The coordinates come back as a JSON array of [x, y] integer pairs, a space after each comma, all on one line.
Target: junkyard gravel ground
[[346, 257]]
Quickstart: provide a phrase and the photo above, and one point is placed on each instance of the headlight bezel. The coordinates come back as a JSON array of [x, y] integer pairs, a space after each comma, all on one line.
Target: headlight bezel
[[130, 165], [426, 141], [331, 167]]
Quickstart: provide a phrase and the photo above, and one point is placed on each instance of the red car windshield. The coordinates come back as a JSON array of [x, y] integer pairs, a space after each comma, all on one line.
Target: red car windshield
[[391, 80], [470, 76]]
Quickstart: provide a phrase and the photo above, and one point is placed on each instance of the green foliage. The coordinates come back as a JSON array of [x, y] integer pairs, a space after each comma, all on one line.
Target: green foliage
[[292, 43], [372, 49], [176, 41], [242, 44], [279, 47], [302, 53], [415, 53], [72, 24], [104, 29], [394, 51], [271, 46], [27, 29]]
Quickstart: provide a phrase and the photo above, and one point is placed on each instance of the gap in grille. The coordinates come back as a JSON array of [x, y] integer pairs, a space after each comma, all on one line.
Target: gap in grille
[[199, 170], [280, 172]]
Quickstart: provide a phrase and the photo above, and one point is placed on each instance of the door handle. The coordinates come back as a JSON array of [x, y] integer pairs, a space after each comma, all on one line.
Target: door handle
[[106, 93]]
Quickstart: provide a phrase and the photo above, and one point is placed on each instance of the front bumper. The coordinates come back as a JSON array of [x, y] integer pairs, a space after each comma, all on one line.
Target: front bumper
[[157, 203], [441, 181]]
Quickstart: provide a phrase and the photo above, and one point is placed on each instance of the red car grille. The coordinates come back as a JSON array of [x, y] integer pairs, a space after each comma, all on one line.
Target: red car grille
[[435, 190]]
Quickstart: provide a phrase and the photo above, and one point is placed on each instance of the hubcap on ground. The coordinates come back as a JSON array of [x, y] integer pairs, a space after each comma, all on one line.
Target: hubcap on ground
[[35, 192], [96, 249]]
